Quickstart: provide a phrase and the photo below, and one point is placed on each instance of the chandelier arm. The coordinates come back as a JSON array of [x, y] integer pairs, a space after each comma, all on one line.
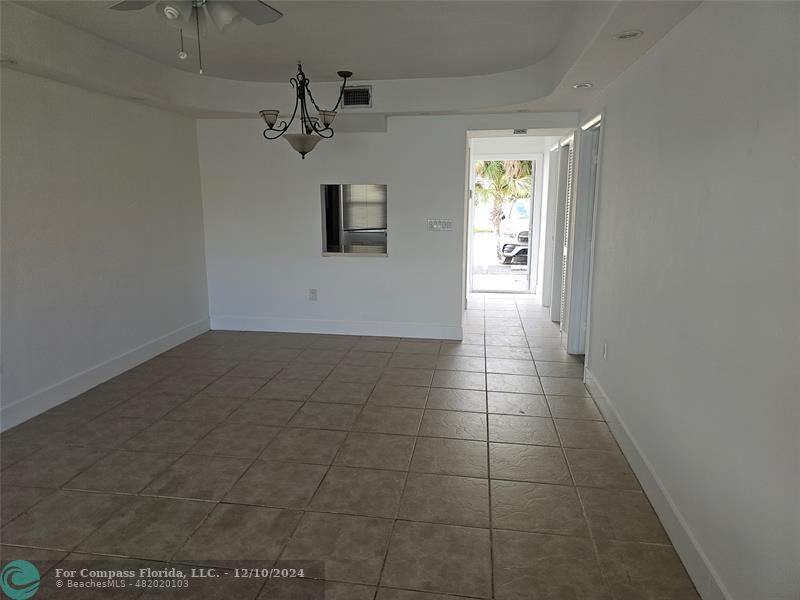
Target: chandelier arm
[[323, 132], [341, 93], [284, 125]]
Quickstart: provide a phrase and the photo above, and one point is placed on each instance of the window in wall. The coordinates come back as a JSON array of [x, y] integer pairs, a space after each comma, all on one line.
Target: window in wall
[[354, 219]]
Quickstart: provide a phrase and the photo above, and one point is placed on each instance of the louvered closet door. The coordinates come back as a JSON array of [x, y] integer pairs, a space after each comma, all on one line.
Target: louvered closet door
[[565, 259]]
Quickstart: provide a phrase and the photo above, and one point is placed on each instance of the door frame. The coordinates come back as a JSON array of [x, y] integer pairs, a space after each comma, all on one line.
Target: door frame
[[581, 263], [537, 158]]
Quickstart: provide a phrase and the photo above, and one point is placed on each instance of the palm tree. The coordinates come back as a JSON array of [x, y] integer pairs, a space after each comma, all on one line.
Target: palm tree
[[502, 181]]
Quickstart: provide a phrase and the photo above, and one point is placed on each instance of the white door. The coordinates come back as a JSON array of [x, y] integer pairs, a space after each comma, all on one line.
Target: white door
[[582, 232], [559, 253]]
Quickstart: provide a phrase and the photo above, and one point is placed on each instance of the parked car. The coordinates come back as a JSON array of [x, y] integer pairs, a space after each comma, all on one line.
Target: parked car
[[512, 245]]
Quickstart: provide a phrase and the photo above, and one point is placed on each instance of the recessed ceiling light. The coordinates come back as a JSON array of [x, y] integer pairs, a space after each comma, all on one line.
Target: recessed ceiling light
[[631, 34], [582, 85]]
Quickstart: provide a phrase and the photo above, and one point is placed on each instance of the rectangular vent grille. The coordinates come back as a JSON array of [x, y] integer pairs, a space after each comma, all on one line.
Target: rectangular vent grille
[[357, 97]]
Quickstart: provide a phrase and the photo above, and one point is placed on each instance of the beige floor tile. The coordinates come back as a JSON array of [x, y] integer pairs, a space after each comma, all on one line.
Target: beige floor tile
[[16, 500], [361, 358], [447, 362], [413, 361], [326, 416], [601, 468], [585, 434], [200, 477], [367, 492], [464, 380], [636, 571], [169, 437], [148, 528], [313, 446], [522, 430], [279, 484], [537, 507], [265, 412], [446, 499], [461, 349], [122, 471], [352, 548], [560, 369], [454, 399], [287, 389], [212, 409], [564, 386], [229, 386], [450, 457], [439, 558], [245, 534], [520, 384], [510, 366], [389, 419], [245, 440], [398, 376], [533, 565], [356, 374], [408, 396], [507, 403], [622, 515], [52, 466], [453, 424], [543, 464], [63, 519], [376, 450], [342, 392], [574, 407]]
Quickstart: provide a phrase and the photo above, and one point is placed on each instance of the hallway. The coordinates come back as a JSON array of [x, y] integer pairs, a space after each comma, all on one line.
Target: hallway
[[385, 462]]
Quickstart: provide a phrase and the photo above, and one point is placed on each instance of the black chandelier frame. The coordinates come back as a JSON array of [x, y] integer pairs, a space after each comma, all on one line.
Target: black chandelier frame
[[309, 125]]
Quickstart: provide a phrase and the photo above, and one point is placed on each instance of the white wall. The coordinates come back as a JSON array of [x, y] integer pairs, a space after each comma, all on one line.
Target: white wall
[[263, 226], [696, 290], [102, 239]]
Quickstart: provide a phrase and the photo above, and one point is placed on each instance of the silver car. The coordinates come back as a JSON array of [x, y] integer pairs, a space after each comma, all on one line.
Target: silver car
[[512, 244]]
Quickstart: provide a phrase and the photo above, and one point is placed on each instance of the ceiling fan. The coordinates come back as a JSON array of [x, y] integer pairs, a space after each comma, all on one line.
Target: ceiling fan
[[223, 13], [192, 15]]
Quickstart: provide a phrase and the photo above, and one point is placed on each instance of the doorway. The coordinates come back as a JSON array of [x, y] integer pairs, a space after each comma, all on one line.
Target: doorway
[[502, 194]]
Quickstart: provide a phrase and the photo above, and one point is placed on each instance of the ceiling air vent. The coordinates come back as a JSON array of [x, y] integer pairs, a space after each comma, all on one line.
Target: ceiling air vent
[[357, 97]]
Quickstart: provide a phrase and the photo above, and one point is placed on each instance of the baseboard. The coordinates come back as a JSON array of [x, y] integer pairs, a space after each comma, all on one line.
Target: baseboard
[[38, 402], [686, 545], [373, 328]]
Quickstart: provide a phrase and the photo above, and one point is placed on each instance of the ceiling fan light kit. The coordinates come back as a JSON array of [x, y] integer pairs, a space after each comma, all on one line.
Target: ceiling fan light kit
[[312, 129], [191, 17]]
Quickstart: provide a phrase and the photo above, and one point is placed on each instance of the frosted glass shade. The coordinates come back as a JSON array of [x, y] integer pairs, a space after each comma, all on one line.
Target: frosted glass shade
[[269, 116], [302, 142], [327, 117], [222, 13]]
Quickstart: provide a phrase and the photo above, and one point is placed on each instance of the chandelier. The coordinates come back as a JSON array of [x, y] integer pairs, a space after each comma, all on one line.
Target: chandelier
[[312, 128]]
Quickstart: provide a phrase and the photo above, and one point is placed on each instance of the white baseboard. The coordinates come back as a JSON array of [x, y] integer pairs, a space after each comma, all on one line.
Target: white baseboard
[[38, 402], [703, 574], [373, 328]]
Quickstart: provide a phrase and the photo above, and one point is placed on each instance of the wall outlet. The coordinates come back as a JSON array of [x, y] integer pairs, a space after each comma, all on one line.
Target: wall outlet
[[312, 294], [605, 350]]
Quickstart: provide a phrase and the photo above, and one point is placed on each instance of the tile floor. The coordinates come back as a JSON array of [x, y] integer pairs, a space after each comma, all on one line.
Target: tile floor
[[406, 469]]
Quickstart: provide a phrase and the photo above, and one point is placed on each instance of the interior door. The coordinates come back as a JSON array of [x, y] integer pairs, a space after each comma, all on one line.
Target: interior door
[[557, 273], [565, 281], [582, 234]]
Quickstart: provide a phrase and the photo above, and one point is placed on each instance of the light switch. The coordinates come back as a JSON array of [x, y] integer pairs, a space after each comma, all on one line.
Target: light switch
[[440, 225]]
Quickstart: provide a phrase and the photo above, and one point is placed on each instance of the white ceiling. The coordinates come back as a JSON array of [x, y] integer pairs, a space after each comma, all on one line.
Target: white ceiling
[[374, 39]]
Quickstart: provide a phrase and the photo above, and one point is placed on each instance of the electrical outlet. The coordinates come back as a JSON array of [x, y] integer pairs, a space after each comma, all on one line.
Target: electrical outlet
[[312, 294], [605, 350]]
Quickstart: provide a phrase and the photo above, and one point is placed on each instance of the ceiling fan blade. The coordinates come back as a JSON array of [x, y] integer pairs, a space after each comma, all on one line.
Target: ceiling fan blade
[[255, 11], [131, 4]]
